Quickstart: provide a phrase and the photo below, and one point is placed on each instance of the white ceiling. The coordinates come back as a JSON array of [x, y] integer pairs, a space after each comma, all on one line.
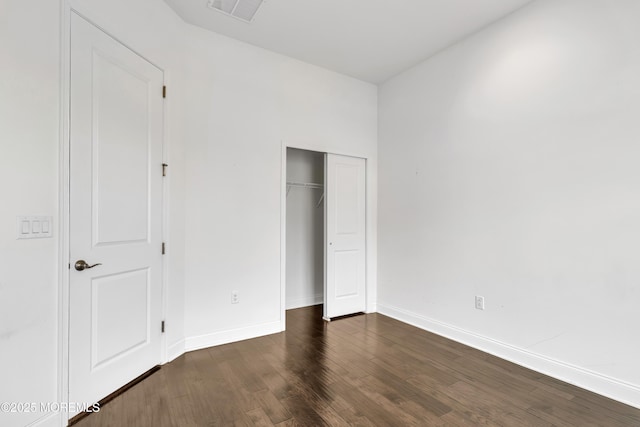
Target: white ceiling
[[371, 40]]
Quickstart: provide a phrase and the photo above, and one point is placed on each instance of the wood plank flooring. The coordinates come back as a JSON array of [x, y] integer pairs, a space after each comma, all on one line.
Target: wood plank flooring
[[366, 370]]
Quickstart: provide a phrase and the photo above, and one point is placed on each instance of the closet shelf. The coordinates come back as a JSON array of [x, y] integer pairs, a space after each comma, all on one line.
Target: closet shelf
[[311, 185]]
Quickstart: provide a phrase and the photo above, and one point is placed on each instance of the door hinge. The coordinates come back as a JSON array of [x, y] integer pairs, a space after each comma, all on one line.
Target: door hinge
[[164, 91], [162, 326], [163, 248], [164, 169]]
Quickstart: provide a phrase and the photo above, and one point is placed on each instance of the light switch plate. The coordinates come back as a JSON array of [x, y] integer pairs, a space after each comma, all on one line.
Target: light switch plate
[[34, 227]]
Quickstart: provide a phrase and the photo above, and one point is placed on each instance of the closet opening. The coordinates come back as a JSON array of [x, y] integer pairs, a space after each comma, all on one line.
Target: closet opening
[[305, 228], [324, 232]]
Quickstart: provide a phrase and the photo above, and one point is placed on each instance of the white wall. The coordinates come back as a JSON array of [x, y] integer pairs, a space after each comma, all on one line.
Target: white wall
[[305, 230], [29, 108], [244, 104], [509, 169]]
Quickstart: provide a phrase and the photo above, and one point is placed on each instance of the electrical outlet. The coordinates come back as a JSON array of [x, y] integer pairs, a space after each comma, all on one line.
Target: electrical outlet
[[479, 302], [235, 297]]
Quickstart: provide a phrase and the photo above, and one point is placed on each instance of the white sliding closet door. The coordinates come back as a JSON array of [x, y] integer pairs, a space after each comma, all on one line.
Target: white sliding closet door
[[345, 236]]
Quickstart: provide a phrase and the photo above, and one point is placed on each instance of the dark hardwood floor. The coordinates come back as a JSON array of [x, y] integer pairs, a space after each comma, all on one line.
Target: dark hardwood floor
[[366, 370]]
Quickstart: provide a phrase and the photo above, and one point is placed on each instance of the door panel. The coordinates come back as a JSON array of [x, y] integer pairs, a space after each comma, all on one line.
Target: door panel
[[120, 126], [119, 326], [346, 273], [346, 180], [345, 226], [116, 112]]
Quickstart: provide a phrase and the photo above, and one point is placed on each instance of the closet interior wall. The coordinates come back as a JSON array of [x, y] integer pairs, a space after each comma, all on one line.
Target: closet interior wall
[[305, 228]]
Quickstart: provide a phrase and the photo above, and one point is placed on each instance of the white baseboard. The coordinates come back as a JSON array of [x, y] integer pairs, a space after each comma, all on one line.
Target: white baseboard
[[175, 350], [305, 302], [233, 335], [49, 420], [583, 378]]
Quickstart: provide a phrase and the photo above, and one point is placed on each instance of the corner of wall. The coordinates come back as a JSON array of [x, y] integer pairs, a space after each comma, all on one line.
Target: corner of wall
[[225, 337]]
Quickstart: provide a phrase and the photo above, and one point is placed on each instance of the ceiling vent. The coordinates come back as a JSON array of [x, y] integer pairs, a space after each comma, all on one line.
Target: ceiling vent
[[244, 10]]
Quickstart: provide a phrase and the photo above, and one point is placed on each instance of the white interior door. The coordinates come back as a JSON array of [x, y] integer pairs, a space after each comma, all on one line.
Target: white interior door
[[346, 239], [115, 214]]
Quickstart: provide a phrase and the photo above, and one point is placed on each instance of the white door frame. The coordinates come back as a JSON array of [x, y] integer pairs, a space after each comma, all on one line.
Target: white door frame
[[64, 261], [369, 250]]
